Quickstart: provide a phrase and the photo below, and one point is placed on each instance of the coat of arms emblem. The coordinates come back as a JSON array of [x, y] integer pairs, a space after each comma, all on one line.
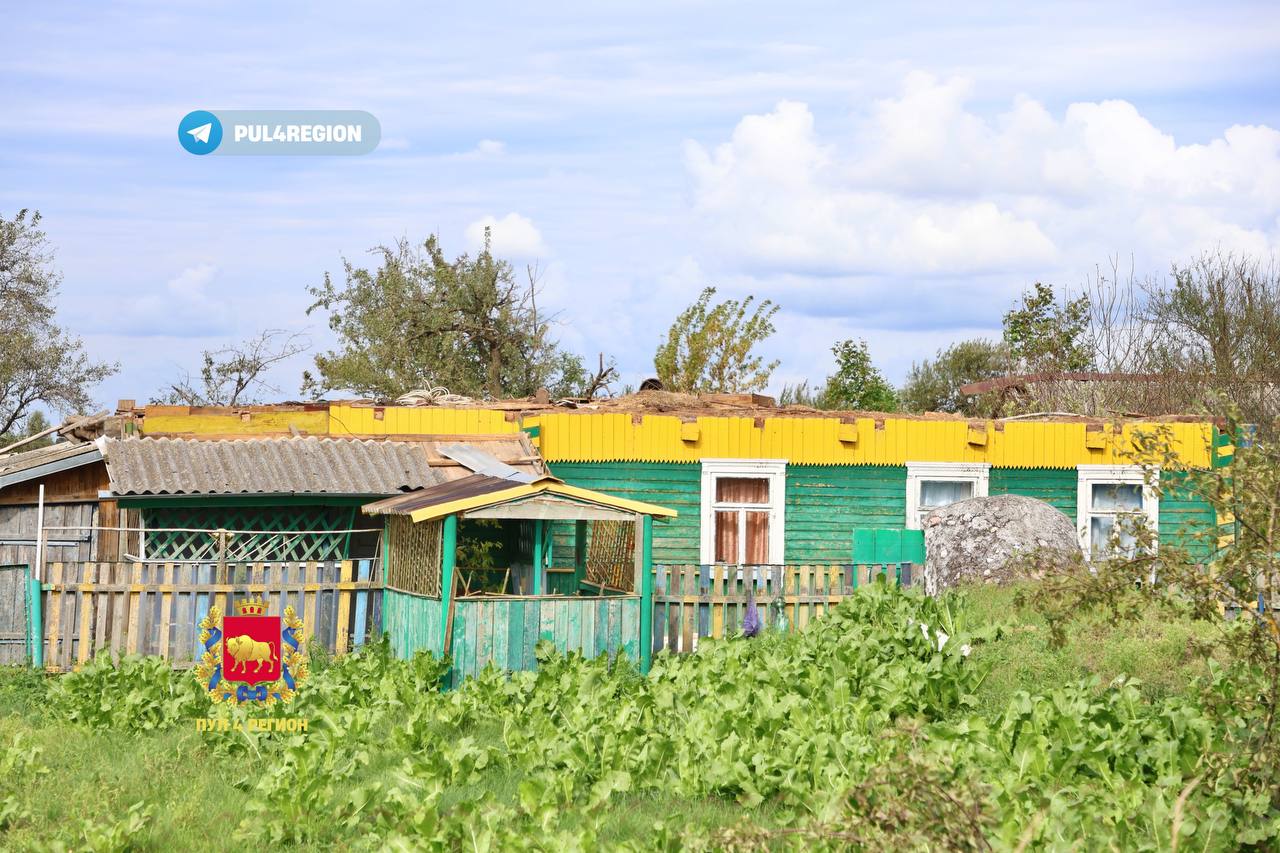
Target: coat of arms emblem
[[253, 656]]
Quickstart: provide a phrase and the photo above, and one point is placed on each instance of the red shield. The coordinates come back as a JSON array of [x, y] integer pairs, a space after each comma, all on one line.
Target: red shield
[[251, 648]]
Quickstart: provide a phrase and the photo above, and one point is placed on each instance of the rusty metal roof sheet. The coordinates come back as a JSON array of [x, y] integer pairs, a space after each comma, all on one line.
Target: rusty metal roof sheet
[[467, 487], [305, 465]]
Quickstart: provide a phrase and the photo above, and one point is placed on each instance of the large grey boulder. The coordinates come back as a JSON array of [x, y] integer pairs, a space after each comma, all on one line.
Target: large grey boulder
[[975, 540]]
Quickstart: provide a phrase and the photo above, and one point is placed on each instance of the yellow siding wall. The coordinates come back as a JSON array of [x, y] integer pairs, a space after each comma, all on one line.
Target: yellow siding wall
[[174, 421], [815, 441], [600, 437], [404, 420]]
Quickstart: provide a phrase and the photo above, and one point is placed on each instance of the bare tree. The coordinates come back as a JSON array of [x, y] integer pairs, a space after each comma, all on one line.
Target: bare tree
[[234, 375], [1208, 332]]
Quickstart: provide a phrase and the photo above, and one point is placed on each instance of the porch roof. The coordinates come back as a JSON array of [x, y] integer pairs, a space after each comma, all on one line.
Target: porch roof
[[480, 492]]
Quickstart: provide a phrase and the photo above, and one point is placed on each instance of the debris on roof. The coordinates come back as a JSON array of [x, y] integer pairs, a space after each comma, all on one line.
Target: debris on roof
[[34, 464], [306, 465]]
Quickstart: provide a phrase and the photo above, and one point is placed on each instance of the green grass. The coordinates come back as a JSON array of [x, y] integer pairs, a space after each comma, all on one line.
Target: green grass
[[1152, 650], [94, 777]]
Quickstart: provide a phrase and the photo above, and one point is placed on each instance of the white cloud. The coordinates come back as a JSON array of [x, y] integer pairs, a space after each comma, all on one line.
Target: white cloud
[[183, 306], [925, 185], [514, 236], [490, 148]]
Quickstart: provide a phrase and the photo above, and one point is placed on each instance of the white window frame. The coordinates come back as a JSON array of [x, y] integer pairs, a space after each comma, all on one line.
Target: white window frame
[[978, 473], [773, 470], [1119, 475]]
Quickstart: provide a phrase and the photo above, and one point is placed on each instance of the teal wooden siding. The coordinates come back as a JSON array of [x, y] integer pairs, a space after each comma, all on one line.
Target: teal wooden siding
[[826, 503], [506, 631], [413, 622], [1055, 486], [674, 485], [1186, 520]]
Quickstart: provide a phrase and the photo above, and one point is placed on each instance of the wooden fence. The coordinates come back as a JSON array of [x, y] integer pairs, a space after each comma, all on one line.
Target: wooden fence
[[14, 619], [691, 602], [156, 608]]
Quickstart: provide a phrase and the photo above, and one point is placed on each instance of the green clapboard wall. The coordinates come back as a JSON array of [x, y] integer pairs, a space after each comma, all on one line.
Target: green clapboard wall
[[826, 503], [1054, 486], [675, 485], [1186, 520]]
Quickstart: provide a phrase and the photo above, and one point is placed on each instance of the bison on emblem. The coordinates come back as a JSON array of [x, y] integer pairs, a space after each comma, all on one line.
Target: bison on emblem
[[244, 650]]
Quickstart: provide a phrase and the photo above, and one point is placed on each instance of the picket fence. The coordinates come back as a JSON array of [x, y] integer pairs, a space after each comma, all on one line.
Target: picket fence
[[693, 602], [156, 608]]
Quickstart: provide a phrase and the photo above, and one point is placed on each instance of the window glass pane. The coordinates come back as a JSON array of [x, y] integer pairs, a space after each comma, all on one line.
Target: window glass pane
[[727, 537], [936, 493], [1102, 528], [742, 490], [757, 538], [1117, 497]]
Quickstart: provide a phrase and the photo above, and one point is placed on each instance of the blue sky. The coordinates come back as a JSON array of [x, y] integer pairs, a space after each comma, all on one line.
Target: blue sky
[[897, 173]]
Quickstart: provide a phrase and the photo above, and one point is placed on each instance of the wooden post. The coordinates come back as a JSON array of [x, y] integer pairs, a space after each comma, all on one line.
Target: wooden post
[[37, 623], [538, 572], [579, 553], [645, 582], [448, 549], [221, 537]]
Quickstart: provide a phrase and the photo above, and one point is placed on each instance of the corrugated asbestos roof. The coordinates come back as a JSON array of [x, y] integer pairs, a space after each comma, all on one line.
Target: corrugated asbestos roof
[[309, 465], [33, 464]]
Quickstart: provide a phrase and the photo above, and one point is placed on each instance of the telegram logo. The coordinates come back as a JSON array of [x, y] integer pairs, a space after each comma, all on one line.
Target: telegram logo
[[200, 132]]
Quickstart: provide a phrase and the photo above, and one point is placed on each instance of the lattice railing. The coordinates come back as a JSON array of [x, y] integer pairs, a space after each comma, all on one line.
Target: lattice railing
[[248, 534]]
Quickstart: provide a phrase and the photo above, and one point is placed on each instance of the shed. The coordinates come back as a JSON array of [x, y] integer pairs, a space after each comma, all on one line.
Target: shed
[[497, 614], [295, 498]]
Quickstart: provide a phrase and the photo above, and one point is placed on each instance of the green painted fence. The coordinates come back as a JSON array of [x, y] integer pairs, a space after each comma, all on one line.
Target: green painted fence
[[505, 631], [412, 622]]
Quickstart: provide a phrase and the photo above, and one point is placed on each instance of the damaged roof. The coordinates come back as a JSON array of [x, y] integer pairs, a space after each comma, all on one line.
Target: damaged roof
[[34, 464], [305, 465]]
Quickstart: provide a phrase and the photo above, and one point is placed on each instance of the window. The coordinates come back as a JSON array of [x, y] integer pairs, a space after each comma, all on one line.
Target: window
[[742, 511], [1107, 495], [936, 484]]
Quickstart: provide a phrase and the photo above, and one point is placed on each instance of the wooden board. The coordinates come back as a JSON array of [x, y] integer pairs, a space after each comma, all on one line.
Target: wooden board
[[692, 603], [503, 632], [155, 608]]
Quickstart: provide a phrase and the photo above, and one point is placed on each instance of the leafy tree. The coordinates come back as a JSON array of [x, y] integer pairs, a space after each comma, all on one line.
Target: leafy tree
[[40, 362], [857, 383], [709, 347], [230, 376], [421, 320], [934, 385], [1042, 334]]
